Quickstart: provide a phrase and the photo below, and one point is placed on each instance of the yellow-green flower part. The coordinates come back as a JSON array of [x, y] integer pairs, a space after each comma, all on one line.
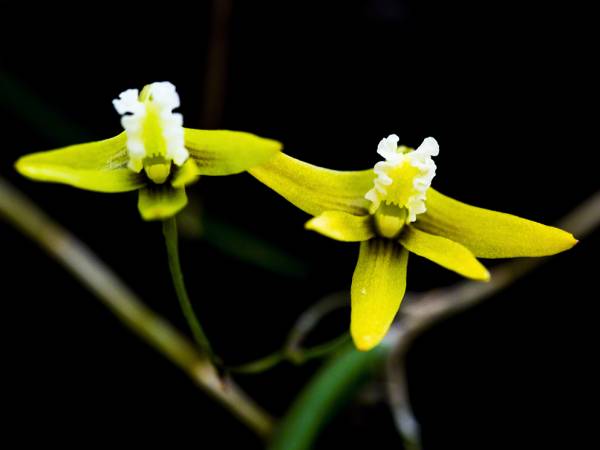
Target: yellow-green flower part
[[392, 211], [155, 154]]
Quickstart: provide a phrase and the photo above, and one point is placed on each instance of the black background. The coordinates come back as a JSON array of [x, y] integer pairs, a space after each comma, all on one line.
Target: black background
[[505, 88]]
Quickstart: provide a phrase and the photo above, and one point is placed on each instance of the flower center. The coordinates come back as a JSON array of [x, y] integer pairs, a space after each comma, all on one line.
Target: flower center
[[154, 131], [400, 189]]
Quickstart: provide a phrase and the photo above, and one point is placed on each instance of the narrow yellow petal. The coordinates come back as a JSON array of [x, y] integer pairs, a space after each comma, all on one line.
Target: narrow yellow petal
[[444, 252], [490, 234], [158, 202], [342, 226], [186, 174], [224, 152], [314, 189], [378, 287], [97, 166]]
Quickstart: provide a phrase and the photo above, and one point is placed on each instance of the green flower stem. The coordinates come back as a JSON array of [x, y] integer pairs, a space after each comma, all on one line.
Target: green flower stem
[[150, 327], [293, 350], [260, 365], [294, 355], [170, 233]]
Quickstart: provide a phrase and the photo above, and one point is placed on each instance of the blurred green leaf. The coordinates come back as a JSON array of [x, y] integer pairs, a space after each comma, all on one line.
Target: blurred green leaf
[[332, 387], [19, 98]]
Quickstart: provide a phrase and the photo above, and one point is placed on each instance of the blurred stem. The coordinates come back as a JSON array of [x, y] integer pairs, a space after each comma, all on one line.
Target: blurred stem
[[292, 350], [294, 355], [216, 65], [149, 326], [170, 233]]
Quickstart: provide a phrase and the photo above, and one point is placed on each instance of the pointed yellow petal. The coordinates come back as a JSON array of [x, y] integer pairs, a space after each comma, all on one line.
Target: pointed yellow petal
[[224, 152], [342, 226], [490, 234], [378, 286], [158, 202], [444, 252], [97, 166], [186, 174], [314, 189]]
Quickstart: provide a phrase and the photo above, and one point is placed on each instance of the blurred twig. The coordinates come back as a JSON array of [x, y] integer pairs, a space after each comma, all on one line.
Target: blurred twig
[[421, 312], [310, 318], [293, 351], [96, 276], [216, 65]]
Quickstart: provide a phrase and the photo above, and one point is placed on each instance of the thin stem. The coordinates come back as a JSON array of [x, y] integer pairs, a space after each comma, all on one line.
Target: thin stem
[[170, 233], [149, 326], [292, 350], [301, 355], [294, 355], [260, 365]]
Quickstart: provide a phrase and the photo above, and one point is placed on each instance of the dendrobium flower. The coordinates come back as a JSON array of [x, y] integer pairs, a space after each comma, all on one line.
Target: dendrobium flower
[[392, 210], [154, 154]]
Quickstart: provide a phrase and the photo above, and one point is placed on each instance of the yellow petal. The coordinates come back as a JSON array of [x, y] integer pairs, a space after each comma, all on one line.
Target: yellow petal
[[158, 202], [490, 234], [96, 166], [444, 252], [378, 286], [342, 226], [224, 152], [186, 174], [314, 189]]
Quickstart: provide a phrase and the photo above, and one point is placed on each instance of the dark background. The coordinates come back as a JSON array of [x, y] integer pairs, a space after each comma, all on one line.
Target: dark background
[[505, 88]]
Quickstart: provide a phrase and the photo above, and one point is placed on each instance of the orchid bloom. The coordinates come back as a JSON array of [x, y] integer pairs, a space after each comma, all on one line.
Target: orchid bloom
[[392, 210], [155, 154]]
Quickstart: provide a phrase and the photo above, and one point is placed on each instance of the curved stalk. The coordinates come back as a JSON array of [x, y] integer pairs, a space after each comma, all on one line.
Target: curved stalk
[[170, 234]]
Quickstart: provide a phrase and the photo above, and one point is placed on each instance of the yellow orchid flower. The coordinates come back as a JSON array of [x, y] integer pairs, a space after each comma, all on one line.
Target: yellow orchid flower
[[154, 154], [392, 210]]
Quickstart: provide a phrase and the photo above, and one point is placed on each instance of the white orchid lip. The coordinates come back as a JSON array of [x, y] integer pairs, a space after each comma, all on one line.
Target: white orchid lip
[[404, 177], [154, 132]]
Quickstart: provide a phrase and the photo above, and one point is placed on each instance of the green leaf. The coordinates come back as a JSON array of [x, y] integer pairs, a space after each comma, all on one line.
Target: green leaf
[[342, 226], [97, 166], [314, 189], [444, 252], [378, 286], [224, 152], [490, 234], [332, 387], [158, 202]]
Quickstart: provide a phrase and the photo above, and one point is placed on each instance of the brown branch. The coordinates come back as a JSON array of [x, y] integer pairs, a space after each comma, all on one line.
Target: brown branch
[[152, 328]]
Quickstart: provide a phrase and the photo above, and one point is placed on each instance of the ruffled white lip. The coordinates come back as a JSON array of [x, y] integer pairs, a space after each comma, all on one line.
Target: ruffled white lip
[[394, 158], [164, 98]]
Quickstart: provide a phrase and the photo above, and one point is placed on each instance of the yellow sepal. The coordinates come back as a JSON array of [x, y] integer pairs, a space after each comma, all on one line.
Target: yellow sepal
[[342, 226], [224, 152], [97, 166], [158, 202], [490, 234], [314, 189], [444, 252], [378, 286]]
